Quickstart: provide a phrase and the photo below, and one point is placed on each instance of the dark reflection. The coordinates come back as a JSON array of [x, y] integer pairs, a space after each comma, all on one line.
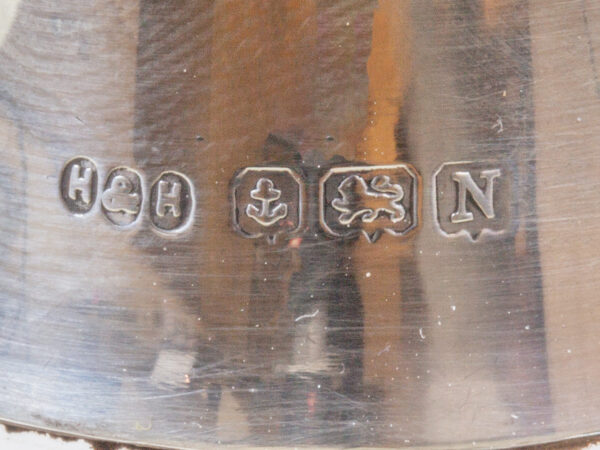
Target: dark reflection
[[295, 364], [312, 390]]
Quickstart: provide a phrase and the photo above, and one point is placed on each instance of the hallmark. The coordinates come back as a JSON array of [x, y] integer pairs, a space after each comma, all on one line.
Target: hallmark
[[369, 200], [472, 198], [171, 199], [267, 201], [79, 185], [171, 202], [122, 196]]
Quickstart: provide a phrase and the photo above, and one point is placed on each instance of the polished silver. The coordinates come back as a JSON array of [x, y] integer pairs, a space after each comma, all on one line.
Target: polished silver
[[300, 223]]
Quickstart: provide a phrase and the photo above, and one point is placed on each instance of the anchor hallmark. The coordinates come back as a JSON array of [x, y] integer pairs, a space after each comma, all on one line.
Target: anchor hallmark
[[266, 193], [267, 201]]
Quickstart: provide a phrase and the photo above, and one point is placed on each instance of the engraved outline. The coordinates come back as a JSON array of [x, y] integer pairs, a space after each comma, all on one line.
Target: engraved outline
[[463, 232], [142, 193], [368, 215], [60, 188], [415, 206], [252, 211], [236, 182], [188, 223]]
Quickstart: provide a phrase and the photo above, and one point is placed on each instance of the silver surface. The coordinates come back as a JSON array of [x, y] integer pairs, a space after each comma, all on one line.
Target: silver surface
[[365, 223]]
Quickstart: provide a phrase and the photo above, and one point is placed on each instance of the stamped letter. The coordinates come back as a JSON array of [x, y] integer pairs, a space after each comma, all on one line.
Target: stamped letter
[[472, 198], [485, 200], [79, 184], [171, 202]]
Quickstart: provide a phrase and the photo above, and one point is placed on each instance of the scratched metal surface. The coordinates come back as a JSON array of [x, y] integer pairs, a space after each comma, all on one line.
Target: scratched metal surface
[[339, 223]]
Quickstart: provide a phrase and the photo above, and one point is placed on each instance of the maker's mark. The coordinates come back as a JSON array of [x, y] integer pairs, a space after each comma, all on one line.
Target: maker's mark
[[122, 196], [79, 185]]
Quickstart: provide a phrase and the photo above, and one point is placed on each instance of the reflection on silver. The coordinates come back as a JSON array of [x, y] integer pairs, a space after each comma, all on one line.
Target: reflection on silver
[[178, 331]]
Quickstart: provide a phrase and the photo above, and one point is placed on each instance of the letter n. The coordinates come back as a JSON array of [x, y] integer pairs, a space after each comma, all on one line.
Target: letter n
[[483, 199]]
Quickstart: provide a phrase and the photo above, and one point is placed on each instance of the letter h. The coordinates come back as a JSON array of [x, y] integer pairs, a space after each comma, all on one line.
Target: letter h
[[168, 199], [81, 183]]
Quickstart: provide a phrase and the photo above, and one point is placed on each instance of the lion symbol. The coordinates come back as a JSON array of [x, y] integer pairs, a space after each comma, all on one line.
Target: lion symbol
[[368, 202]]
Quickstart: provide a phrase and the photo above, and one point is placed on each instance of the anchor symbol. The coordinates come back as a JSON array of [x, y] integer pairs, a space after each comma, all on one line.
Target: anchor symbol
[[266, 193]]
